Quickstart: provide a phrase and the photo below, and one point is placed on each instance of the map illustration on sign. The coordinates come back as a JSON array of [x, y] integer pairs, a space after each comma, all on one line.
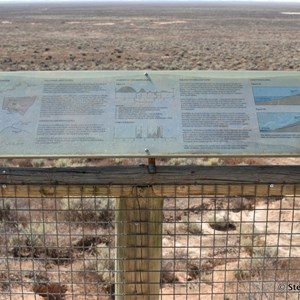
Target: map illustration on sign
[[279, 122], [270, 95], [7, 86], [18, 105], [15, 128], [18, 99]]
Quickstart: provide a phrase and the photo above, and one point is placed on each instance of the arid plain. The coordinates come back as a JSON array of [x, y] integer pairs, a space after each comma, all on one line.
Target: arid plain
[[158, 36]]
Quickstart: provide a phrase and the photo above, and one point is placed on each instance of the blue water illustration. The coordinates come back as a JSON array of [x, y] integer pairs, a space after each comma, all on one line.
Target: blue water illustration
[[267, 93], [270, 121]]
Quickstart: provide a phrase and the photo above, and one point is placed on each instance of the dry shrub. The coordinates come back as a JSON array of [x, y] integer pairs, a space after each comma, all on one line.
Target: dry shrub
[[39, 240], [7, 214], [4, 211], [38, 163], [212, 161], [29, 241], [104, 265], [89, 210], [67, 162], [87, 243], [4, 280], [168, 274], [254, 241], [232, 161], [105, 260], [262, 256]]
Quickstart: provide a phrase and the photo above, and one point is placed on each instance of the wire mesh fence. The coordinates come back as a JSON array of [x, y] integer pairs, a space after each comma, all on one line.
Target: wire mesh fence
[[204, 246]]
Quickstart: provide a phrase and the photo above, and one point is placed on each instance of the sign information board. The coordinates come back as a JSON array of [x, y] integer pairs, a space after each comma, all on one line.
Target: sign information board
[[159, 113]]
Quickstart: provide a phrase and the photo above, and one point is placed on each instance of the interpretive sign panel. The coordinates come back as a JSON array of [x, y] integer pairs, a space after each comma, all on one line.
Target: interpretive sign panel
[[162, 113]]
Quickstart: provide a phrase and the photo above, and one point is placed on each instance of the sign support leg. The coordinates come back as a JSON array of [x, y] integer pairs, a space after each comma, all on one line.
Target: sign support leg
[[138, 245]]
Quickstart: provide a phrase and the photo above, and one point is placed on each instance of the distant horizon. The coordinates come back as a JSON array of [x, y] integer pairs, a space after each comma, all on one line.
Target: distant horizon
[[149, 1]]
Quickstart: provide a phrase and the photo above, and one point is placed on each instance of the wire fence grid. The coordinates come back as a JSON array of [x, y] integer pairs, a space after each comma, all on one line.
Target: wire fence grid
[[212, 246]]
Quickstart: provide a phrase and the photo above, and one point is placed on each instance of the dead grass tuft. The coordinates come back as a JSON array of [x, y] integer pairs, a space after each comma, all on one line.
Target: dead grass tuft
[[97, 211]]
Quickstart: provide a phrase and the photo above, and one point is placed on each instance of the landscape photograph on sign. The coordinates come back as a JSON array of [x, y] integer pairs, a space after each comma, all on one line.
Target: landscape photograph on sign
[[276, 95], [279, 122]]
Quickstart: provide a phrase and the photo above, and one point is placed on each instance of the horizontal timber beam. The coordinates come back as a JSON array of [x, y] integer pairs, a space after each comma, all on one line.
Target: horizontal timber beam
[[131, 175], [167, 181]]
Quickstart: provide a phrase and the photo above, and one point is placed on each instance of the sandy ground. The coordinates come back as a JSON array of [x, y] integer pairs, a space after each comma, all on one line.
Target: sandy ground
[[213, 248]]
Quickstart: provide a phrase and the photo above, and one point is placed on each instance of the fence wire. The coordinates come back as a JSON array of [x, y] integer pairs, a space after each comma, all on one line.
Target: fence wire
[[212, 247]]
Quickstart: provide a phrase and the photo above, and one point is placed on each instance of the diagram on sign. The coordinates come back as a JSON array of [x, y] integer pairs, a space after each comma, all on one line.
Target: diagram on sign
[[143, 94], [268, 95], [138, 132], [279, 122]]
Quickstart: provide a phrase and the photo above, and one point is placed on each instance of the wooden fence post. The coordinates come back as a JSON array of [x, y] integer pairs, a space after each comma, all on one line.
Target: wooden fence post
[[139, 245]]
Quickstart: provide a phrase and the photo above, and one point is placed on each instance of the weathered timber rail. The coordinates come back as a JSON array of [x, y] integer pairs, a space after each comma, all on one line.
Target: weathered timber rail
[[167, 181]]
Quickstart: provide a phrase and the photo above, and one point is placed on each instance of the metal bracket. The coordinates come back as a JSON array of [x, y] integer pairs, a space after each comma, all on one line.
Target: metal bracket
[[151, 165]]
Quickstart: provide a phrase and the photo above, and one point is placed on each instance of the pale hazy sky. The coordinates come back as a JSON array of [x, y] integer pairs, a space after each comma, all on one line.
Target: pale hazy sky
[[45, 1], [145, 1]]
